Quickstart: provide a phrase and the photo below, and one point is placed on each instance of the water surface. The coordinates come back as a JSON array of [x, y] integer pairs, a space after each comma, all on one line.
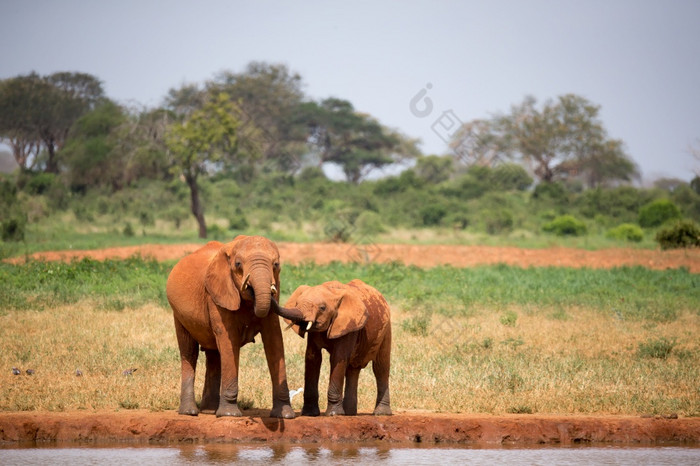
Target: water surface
[[347, 454]]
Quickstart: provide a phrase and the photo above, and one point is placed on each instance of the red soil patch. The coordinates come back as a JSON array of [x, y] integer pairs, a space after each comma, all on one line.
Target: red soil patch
[[421, 255], [471, 429]]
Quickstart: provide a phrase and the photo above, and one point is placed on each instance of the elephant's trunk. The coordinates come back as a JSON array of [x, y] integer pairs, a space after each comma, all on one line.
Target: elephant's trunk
[[294, 315], [261, 282]]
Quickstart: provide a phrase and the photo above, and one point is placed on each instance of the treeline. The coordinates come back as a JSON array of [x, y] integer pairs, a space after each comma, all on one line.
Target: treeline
[[251, 144]]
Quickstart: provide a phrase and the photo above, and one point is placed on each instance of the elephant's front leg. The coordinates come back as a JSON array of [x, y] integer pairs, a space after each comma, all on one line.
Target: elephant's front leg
[[312, 371], [274, 352], [340, 358], [228, 341]]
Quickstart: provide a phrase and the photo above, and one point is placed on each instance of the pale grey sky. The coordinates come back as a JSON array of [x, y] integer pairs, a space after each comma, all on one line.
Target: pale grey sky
[[638, 60]]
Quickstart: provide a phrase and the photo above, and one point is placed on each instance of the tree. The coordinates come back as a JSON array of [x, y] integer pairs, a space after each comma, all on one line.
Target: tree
[[434, 169], [356, 142], [19, 97], [566, 139], [68, 97], [269, 96], [204, 139], [481, 142], [89, 152], [36, 111]]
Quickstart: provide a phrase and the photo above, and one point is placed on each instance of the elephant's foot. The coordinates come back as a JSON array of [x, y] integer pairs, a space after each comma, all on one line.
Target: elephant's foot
[[282, 412], [382, 410], [335, 410], [228, 409], [208, 406], [309, 410], [189, 409]]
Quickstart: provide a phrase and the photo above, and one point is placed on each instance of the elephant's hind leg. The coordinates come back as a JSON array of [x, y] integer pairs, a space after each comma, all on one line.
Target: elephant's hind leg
[[212, 383], [189, 350]]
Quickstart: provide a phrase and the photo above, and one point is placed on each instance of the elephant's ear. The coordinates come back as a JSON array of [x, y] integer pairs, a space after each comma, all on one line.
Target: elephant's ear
[[352, 316], [293, 302], [219, 282]]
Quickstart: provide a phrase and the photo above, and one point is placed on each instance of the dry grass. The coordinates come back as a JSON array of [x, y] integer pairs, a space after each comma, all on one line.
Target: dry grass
[[512, 360]]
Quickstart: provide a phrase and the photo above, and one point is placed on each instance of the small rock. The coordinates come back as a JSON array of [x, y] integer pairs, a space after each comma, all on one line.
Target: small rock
[[129, 371], [78, 373], [30, 371], [16, 371]]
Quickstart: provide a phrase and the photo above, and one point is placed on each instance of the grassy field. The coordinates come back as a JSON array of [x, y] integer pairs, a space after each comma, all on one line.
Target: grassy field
[[493, 339]]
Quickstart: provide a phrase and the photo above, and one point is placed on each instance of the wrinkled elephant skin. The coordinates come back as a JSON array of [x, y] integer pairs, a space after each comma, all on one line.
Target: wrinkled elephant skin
[[220, 296], [353, 323]]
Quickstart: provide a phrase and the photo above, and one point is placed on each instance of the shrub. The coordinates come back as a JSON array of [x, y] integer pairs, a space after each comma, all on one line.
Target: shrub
[[553, 192], [40, 183], [432, 215], [498, 221], [565, 225], [511, 176], [626, 232], [659, 348], [684, 234], [238, 220], [417, 325], [128, 229], [658, 212], [369, 223], [13, 229], [509, 318]]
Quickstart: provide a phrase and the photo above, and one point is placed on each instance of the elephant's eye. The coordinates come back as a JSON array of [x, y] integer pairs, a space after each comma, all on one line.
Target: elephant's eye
[[238, 264], [276, 265], [322, 307]]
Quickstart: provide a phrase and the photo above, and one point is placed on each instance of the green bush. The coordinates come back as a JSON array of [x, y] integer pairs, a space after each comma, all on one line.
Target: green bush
[[511, 176], [657, 213], [13, 229], [40, 183], [566, 225], [432, 215], [626, 232], [369, 223], [683, 234], [498, 221], [238, 221], [659, 348], [552, 192]]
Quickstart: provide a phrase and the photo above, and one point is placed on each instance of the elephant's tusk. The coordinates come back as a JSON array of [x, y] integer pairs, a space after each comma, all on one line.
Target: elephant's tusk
[[244, 286], [309, 325], [273, 289]]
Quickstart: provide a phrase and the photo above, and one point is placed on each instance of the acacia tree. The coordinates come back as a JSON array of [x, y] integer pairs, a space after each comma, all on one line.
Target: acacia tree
[[205, 138], [566, 139], [36, 111], [356, 142], [18, 97]]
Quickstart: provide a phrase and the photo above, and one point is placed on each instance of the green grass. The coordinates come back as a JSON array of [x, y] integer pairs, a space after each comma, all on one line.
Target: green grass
[[625, 292]]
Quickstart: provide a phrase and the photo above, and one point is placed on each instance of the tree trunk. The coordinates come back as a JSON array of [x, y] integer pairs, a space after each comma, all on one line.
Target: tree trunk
[[196, 205], [51, 165]]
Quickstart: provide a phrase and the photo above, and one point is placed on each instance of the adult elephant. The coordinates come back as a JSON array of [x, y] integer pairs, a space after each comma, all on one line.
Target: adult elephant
[[220, 296], [353, 323]]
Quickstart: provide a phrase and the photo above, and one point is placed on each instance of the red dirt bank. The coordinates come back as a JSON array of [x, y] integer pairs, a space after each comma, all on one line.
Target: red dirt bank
[[169, 427]]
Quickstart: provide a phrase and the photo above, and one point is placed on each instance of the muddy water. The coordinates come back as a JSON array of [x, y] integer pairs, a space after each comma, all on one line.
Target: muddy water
[[346, 454]]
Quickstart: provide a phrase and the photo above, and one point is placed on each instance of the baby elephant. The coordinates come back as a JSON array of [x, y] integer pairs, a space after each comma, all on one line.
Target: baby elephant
[[352, 322]]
